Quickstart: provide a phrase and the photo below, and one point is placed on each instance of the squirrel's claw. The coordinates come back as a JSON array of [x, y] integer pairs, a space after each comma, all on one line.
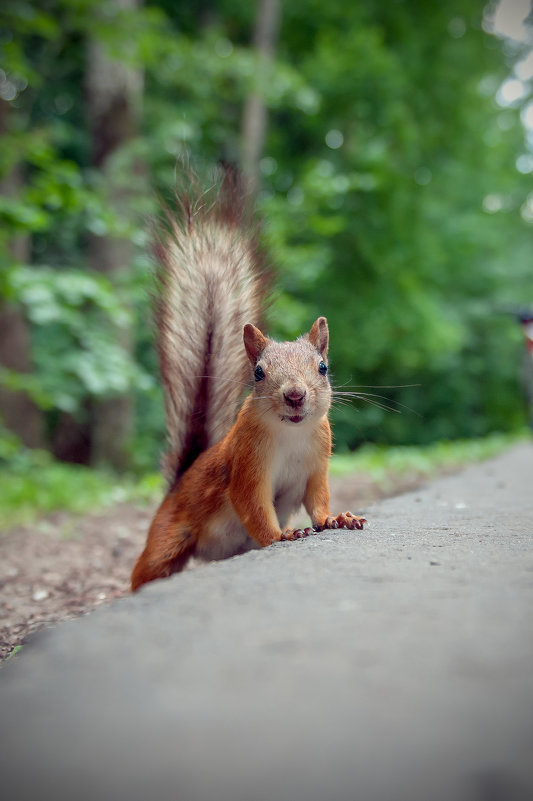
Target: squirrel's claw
[[353, 521], [344, 520], [295, 533]]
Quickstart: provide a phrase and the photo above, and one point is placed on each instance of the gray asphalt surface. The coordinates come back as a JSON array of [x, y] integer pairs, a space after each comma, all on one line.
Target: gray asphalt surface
[[394, 663]]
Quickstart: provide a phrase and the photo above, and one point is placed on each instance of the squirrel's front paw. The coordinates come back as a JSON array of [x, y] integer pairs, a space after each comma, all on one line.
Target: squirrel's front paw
[[296, 533], [344, 520]]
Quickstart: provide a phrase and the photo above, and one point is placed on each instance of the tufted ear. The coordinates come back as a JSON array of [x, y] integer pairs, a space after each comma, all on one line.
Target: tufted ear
[[319, 336], [254, 341]]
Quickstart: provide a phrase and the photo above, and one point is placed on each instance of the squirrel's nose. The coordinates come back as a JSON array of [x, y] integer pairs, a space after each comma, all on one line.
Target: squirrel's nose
[[295, 396]]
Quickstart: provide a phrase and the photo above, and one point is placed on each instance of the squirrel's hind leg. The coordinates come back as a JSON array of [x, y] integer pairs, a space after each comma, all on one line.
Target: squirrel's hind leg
[[169, 546], [155, 563]]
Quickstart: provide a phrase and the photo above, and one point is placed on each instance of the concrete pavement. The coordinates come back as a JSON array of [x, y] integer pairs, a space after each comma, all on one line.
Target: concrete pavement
[[394, 663]]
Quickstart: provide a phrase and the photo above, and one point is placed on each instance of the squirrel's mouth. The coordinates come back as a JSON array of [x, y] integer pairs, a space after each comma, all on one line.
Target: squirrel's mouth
[[297, 418]]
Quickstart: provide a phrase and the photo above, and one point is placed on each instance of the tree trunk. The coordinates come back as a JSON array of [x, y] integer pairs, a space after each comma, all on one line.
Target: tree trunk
[[114, 93], [17, 411], [255, 112]]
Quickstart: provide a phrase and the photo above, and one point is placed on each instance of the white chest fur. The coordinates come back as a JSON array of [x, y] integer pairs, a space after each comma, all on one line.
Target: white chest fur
[[293, 461]]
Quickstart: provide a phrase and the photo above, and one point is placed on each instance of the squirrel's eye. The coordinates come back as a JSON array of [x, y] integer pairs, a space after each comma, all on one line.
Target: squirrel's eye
[[259, 373], [322, 368]]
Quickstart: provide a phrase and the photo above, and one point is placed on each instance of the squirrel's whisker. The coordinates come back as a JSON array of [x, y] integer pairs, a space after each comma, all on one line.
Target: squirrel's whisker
[[378, 386], [367, 395]]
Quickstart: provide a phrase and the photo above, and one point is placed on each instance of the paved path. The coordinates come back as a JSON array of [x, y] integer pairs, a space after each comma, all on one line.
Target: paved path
[[394, 663]]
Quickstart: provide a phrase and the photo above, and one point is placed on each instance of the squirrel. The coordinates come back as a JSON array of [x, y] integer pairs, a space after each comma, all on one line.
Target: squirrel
[[233, 484]]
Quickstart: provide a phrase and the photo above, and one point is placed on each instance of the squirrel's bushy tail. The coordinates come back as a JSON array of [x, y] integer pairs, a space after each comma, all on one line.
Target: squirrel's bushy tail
[[210, 284]]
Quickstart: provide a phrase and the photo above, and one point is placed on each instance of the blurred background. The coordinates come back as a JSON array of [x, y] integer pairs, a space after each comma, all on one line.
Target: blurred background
[[388, 144]]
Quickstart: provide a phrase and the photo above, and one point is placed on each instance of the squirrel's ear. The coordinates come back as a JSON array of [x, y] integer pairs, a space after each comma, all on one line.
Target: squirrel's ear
[[319, 335], [254, 341]]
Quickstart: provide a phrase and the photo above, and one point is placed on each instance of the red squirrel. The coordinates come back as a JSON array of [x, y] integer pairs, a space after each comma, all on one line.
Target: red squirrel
[[233, 484]]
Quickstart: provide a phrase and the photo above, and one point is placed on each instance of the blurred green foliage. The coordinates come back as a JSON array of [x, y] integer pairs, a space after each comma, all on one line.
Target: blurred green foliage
[[381, 463], [391, 200], [33, 484], [76, 359]]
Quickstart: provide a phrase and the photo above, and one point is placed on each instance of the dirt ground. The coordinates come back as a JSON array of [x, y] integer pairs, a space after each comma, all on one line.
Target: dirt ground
[[64, 566]]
